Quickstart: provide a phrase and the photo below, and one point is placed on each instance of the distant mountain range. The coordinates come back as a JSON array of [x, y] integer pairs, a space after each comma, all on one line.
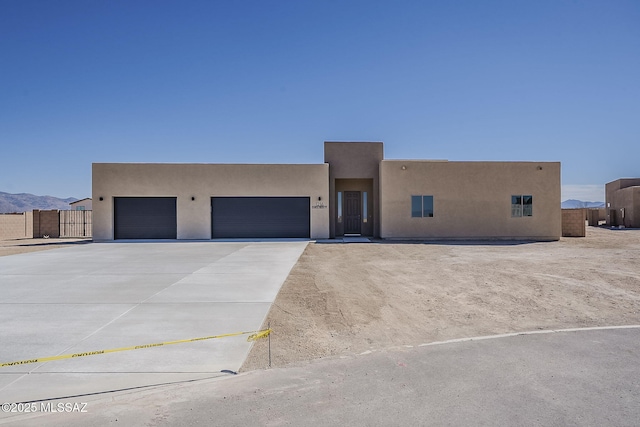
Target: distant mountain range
[[573, 204], [23, 202]]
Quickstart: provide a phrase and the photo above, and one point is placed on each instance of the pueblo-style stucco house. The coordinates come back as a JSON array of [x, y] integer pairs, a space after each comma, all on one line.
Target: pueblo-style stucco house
[[623, 202], [354, 192], [82, 205]]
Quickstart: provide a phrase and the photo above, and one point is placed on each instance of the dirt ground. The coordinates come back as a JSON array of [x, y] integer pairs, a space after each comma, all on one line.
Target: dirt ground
[[343, 299], [21, 246]]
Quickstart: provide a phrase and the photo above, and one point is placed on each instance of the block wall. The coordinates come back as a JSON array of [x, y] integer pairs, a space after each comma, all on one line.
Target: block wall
[[46, 223], [595, 215], [16, 226], [573, 223]]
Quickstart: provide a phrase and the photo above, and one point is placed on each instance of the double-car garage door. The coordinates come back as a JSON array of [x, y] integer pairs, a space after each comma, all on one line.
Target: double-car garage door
[[261, 217], [144, 218], [231, 217]]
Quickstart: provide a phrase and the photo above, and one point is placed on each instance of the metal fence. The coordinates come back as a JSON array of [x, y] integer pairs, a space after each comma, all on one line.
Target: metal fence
[[76, 223]]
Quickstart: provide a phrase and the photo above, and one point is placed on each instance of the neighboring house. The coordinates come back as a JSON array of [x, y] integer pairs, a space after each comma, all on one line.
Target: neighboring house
[[355, 192], [81, 205], [623, 202]]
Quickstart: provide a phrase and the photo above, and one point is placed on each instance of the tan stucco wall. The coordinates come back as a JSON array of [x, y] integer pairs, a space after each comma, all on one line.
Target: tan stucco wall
[[354, 160], [629, 200], [204, 181], [471, 199]]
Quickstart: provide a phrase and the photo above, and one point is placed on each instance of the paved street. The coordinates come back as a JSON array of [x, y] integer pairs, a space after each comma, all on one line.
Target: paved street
[[579, 378]]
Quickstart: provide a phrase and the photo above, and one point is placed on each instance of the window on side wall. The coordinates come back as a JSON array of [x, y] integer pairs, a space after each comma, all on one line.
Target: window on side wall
[[421, 206], [521, 205]]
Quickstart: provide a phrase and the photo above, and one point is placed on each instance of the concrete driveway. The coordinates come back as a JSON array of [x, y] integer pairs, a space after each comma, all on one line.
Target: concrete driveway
[[112, 295]]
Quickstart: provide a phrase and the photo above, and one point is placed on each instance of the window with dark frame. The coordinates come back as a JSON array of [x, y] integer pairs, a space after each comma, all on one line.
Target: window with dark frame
[[521, 205], [422, 206]]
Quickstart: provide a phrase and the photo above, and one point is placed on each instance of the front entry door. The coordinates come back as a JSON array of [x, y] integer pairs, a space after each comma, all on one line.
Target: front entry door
[[352, 212]]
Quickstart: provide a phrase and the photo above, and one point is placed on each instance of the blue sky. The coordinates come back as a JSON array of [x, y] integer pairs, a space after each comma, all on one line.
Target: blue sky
[[269, 81]]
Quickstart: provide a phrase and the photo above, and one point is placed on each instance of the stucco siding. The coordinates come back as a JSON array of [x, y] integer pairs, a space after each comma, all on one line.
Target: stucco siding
[[87, 204], [471, 199], [628, 199], [623, 202], [355, 161], [201, 182]]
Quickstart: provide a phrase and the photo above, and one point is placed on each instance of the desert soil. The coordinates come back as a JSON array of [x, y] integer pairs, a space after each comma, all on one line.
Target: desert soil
[[344, 299], [21, 246]]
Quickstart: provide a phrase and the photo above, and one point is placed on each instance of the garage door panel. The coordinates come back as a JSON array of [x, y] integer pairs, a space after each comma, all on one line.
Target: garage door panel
[[145, 218], [260, 217]]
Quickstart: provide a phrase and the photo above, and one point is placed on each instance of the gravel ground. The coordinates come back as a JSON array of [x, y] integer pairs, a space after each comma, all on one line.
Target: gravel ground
[[344, 299]]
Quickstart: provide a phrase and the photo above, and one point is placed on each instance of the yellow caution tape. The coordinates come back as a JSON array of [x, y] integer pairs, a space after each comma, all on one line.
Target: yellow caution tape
[[259, 335], [255, 335]]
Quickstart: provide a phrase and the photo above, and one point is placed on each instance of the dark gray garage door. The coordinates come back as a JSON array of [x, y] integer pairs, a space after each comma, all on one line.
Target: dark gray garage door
[[259, 217], [145, 217]]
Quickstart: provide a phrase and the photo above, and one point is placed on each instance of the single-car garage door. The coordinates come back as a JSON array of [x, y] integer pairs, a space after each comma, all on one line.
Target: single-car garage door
[[144, 218], [260, 217]]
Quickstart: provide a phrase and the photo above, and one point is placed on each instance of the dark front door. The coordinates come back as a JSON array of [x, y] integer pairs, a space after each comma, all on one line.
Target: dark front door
[[352, 212]]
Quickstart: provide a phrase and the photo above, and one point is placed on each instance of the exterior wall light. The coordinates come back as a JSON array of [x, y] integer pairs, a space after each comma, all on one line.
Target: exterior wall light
[[404, 168], [319, 198], [101, 198], [193, 198]]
